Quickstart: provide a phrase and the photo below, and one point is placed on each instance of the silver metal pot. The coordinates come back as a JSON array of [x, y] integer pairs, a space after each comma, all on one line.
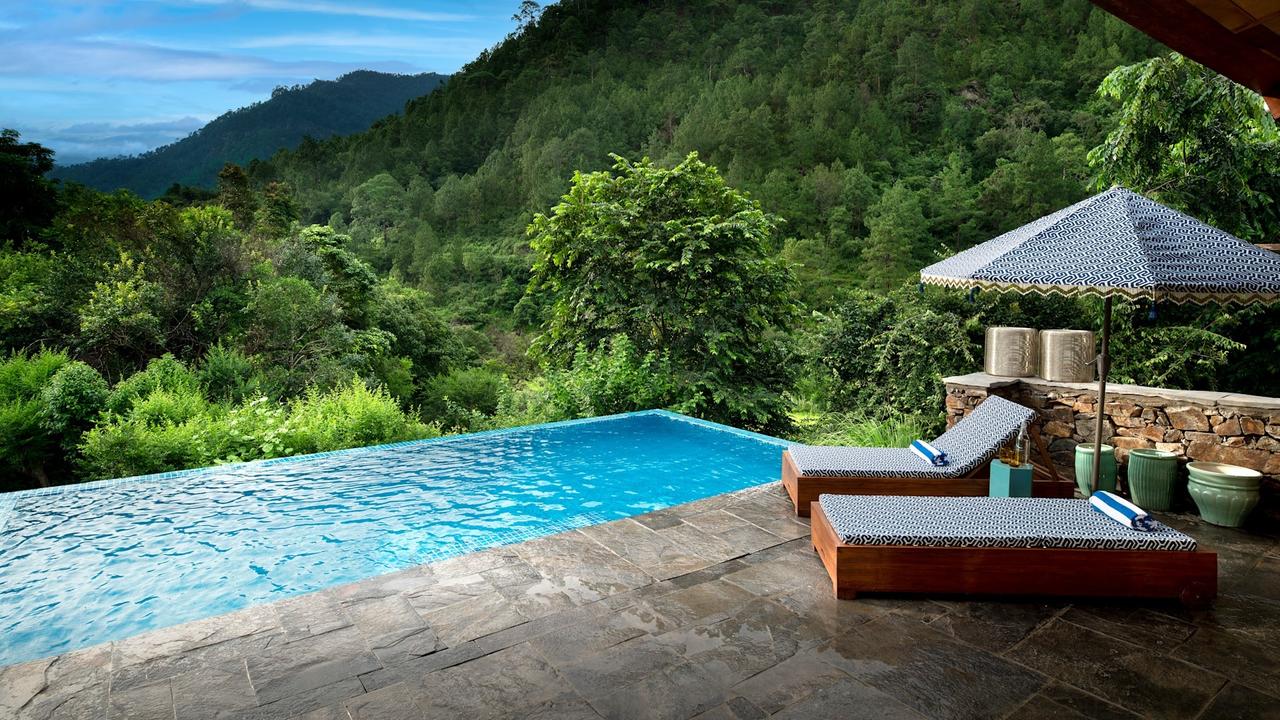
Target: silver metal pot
[[1067, 355], [1011, 351]]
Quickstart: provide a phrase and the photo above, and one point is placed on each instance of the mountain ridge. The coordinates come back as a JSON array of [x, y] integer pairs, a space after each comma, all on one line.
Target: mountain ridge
[[320, 109]]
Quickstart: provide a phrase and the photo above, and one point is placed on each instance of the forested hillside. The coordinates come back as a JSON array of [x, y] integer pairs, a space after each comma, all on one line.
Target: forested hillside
[[503, 253], [319, 109], [880, 131]]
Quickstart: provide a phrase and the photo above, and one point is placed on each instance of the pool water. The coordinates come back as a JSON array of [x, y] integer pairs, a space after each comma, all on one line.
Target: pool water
[[88, 564]]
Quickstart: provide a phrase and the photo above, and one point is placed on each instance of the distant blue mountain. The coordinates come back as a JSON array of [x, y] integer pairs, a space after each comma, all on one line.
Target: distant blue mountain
[[321, 109]]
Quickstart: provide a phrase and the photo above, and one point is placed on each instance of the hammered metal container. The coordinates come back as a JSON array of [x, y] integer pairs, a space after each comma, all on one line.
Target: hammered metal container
[[1067, 355], [1011, 352]]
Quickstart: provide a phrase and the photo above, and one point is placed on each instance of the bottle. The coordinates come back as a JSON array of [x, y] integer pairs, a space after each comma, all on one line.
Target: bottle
[[1022, 448]]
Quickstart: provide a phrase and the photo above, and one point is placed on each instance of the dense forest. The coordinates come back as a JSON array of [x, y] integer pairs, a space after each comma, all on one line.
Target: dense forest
[[624, 205], [319, 109]]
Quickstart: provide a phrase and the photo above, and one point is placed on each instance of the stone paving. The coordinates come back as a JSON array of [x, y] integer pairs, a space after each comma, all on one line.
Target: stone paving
[[717, 610]]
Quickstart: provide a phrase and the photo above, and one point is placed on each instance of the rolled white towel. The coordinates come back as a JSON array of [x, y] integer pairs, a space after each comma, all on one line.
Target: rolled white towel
[[1122, 511], [929, 453]]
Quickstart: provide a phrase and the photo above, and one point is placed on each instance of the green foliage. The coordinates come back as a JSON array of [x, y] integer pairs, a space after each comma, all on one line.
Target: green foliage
[[27, 446], [899, 237], [236, 195], [165, 373], [616, 378], [1188, 348], [885, 133], [886, 356], [169, 430], [295, 334], [226, 374], [30, 200], [678, 262], [860, 430], [119, 324], [453, 395], [1194, 140], [349, 416], [816, 110], [71, 401]]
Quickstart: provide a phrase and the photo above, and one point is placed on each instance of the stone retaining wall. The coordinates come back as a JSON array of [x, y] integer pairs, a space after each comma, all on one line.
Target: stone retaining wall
[[1220, 427]]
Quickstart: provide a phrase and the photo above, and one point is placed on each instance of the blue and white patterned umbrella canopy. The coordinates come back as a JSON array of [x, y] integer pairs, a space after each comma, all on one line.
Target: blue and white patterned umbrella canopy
[[1117, 243]]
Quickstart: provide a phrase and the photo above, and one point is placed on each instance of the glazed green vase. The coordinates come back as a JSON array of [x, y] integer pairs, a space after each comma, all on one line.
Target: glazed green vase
[[1084, 468], [1225, 494], [1151, 475]]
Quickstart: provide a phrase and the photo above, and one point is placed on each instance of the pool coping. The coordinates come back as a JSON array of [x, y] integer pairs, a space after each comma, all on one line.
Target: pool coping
[[10, 499]]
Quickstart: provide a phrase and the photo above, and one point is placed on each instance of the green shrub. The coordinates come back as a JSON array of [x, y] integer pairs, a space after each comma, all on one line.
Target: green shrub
[[227, 374], [23, 376], [886, 356], [171, 430], [71, 401], [528, 404], [162, 373], [477, 389], [617, 378], [124, 448], [168, 407], [863, 431], [350, 416], [28, 449]]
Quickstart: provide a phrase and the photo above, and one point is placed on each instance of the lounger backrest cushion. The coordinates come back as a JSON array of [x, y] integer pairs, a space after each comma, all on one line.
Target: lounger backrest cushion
[[975, 439]]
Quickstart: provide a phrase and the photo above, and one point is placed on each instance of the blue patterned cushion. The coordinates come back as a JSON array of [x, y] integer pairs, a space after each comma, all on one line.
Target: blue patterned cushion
[[987, 522], [968, 444]]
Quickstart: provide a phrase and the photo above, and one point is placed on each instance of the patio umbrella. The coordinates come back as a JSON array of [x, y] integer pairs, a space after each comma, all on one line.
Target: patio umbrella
[[1116, 244]]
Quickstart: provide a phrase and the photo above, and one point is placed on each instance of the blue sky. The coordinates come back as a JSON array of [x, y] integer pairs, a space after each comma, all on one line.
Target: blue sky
[[106, 78]]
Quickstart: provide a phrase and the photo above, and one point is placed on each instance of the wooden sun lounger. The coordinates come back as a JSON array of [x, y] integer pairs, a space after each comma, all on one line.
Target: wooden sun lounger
[[805, 489], [1188, 576]]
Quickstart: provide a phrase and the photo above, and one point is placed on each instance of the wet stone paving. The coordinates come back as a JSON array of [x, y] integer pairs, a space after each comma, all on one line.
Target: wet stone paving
[[718, 609]]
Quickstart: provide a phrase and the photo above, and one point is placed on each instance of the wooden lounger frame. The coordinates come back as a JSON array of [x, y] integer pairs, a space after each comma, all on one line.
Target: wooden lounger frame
[[805, 489], [1190, 577]]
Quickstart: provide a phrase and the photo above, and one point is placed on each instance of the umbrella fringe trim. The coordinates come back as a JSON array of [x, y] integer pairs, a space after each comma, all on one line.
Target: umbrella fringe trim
[[1174, 296]]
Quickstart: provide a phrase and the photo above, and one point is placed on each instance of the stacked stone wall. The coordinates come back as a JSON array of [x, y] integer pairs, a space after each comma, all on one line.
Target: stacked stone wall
[[1218, 427]]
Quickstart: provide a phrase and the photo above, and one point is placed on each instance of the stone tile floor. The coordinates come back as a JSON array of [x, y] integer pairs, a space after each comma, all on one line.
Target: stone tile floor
[[717, 610]]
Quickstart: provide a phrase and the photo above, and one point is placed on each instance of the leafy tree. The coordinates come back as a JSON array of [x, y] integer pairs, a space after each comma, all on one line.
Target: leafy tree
[[118, 326], [226, 374], [295, 333], [678, 262], [1194, 140], [236, 195], [30, 200], [899, 235], [351, 279], [527, 13], [420, 335], [71, 401], [377, 206], [278, 213]]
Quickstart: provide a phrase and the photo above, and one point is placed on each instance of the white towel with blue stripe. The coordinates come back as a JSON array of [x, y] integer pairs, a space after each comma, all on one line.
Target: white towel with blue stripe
[[929, 453], [1122, 511]]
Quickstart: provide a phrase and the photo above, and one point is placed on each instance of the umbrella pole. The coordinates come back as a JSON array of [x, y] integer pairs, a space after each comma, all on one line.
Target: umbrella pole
[[1104, 366]]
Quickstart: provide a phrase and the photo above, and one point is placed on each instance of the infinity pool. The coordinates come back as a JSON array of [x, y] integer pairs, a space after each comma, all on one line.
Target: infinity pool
[[86, 564]]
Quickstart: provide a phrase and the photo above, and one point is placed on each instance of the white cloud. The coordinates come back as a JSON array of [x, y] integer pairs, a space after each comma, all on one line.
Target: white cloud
[[420, 44], [353, 9], [139, 61], [81, 142]]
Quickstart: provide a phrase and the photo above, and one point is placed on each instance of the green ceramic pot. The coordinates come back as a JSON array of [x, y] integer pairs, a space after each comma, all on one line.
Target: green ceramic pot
[[1084, 468], [1225, 494], [1151, 476]]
